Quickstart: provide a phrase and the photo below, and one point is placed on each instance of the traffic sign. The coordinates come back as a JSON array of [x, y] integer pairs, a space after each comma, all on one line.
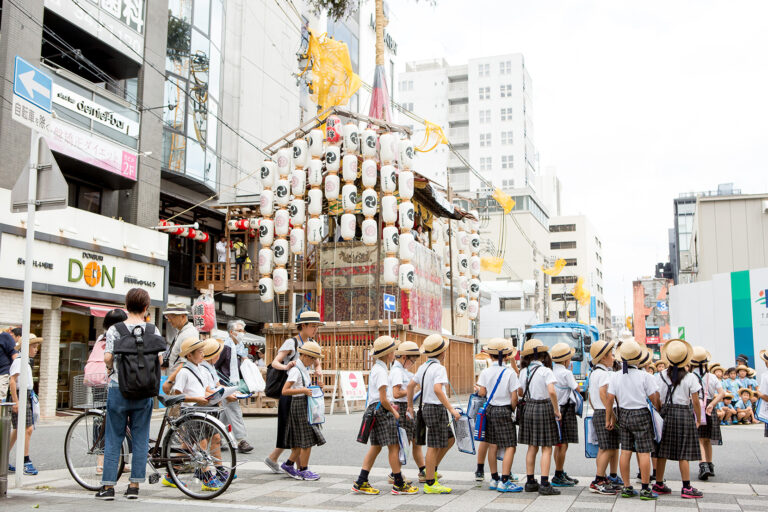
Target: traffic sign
[[51, 190], [389, 303], [32, 84], [681, 333]]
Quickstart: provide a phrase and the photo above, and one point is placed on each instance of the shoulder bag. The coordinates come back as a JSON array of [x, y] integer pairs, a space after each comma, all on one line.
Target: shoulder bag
[[481, 421], [276, 378]]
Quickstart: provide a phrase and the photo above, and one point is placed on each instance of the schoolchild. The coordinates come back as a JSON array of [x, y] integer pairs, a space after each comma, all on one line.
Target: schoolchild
[[601, 353], [752, 384], [762, 391], [14, 391], [385, 416], [565, 387], [680, 410], [717, 370], [727, 412], [211, 352], [630, 389], [730, 384], [301, 436], [647, 362], [406, 355], [743, 380], [710, 394], [744, 411], [540, 413], [435, 409], [501, 382], [659, 365]]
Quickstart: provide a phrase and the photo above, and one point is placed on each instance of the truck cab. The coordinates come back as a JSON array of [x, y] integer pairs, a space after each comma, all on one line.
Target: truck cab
[[578, 336]]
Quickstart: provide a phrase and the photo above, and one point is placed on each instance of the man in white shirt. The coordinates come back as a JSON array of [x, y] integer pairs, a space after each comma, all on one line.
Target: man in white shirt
[[221, 250]]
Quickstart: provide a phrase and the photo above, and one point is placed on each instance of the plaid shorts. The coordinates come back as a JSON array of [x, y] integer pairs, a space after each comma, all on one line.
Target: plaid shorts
[[539, 427], [439, 431], [679, 438], [500, 429], [300, 434], [405, 422], [606, 439], [29, 414], [712, 429], [384, 431], [569, 425], [636, 434]]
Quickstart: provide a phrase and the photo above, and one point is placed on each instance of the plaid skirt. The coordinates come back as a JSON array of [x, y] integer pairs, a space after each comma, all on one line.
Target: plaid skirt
[[439, 431], [679, 438], [569, 425], [300, 434], [712, 429], [606, 439], [539, 427], [405, 422], [500, 428], [29, 414], [636, 430], [384, 431]]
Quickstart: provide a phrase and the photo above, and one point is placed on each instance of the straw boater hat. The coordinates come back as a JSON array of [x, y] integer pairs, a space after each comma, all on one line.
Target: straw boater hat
[[407, 348], [561, 352], [741, 390], [625, 337], [677, 353], [434, 345], [742, 367], [498, 347], [533, 346], [382, 346], [657, 362], [34, 339], [600, 349], [751, 373], [631, 352], [764, 355], [189, 345], [212, 348], [728, 394], [311, 348], [176, 308], [715, 366], [701, 356], [646, 360], [309, 317]]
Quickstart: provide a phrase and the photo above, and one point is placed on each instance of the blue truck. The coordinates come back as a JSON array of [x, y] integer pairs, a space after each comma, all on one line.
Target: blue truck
[[578, 336]]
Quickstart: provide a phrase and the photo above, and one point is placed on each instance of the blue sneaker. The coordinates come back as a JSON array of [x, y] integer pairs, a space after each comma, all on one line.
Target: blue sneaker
[[214, 484], [509, 487], [30, 469], [562, 481], [11, 469], [616, 480], [494, 485]]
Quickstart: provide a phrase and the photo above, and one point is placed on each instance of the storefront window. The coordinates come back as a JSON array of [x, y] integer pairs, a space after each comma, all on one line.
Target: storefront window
[[76, 332]]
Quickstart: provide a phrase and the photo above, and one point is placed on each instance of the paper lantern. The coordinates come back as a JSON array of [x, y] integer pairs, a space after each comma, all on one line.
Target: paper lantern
[[351, 139], [407, 154], [368, 143], [388, 178], [434, 235], [253, 223], [474, 288], [474, 265], [370, 202], [282, 192], [280, 250], [447, 274], [333, 129], [369, 171], [268, 172], [406, 277], [281, 223], [407, 247], [315, 173], [406, 215], [267, 202], [231, 224], [300, 153], [284, 156], [348, 226], [463, 241], [192, 232], [266, 289], [201, 236], [280, 278], [463, 262], [390, 272], [297, 212], [348, 197], [388, 148], [315, 141], [461, 307], [332, 187], [472, 309], [405, 184], [370, 230], [315, 201], [349, 168], [462, 284], [389, 209], [474, 242], [297, 241], [298, 182], [265, 261], [332, 158], [266, 232], [390, 239], [315, 231]]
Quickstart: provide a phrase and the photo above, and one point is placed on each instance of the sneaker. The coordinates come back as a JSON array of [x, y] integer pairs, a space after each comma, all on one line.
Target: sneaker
[[309, 475], [167, 482], [567, 477], [647, 494], [509, 487], [514, 477], [712, 469], [291, 471], [494, 485], [364, 488], [436, 488], [213, 484], [423, 476], [105, 494], [479, 477], [244, 447], [704, 473], [391, 479], [629, 492], [531, 486], [603, 487], [616, 480], [406, 488], [691, 493], [548, 490], [223, 474], [724, 423], [131, 493], [30, 469], [11, 469], [661, 489], [561, 481], [273, 466]]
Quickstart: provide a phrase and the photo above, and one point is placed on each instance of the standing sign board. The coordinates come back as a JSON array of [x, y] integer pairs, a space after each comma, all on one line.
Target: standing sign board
[[352, 388]]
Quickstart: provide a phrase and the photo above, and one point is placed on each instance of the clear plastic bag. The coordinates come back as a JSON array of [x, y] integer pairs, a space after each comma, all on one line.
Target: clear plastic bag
[[316, 406]]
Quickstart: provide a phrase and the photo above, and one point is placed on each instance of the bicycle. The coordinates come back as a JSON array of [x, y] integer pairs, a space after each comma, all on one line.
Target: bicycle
[[184, 446]]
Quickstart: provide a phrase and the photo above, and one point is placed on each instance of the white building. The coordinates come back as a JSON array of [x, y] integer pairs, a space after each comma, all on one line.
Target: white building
[[510, 310]]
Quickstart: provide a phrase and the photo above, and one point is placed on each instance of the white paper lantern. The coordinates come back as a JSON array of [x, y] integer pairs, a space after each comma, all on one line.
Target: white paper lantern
[[407, 154], [368, 143], [266, 289], [406, 276], [298, 182], [297, 212], [472, 309], [462, 283], [280, 279], [407, 214], [463, 263], [475, 223], [407, 247], [315, 201], [474, 288], [369, 171], [281, 223], [266, 232], [463, 241], [348, 225], [388, 148], [332, 158], [231, 224], [332, 187], [315, 140], [370, 202], [405, 184], [349, 168], [282, 192], [268, 172], [314, 231], [284, 161], [348, 197], [447, 274], [351, 139], [267, 202], [370, 230], [391, 266], [390, 239], [315, 173], [474, 265], [389, 209], [388, 178], [297, 241], [461, 307], [300, 153], [474, 242], [265, 261], [280, 250]]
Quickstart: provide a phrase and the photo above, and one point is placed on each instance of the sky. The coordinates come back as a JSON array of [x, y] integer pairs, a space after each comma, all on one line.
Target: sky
[[634, 102]]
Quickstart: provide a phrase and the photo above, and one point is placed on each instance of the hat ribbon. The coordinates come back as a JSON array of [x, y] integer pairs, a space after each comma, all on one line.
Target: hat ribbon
[[674, 372], [377, 352], [624, 367], [600, 352], [442, 344]]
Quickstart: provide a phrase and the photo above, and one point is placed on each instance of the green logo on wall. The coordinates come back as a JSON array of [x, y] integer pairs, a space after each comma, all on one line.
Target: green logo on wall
[[681, 333]]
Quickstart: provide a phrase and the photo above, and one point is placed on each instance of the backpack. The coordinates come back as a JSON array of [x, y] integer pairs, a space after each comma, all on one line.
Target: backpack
[[240, 250], [95, 372], [138, 366]]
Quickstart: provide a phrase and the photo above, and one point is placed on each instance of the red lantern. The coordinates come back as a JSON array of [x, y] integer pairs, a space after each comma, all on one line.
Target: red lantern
[[243, 224], [191, 233], [202, 236], [333, 130], [174, 229], [252, 233]]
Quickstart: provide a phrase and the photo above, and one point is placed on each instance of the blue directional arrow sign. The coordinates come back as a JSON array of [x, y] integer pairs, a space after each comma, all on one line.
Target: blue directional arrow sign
[[32, 84], [389, 302]]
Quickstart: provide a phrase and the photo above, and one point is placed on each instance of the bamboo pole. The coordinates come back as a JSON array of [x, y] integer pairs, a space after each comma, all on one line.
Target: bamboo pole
[[381, 22]]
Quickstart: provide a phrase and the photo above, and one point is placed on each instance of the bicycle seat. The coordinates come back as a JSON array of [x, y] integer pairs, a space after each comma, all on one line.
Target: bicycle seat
[[170, 401]]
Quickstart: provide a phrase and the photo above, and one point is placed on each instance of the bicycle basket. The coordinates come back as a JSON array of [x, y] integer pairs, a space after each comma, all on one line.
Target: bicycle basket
[[87, 397]]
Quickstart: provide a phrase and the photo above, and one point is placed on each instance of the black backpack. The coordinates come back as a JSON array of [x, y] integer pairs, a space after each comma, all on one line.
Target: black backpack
[[138, 367]]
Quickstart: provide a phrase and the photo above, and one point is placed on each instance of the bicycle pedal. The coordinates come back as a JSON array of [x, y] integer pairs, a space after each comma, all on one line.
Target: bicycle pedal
[[154, 478]]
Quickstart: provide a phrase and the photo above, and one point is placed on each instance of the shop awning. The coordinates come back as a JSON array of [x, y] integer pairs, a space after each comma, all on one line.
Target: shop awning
[[87, 308]]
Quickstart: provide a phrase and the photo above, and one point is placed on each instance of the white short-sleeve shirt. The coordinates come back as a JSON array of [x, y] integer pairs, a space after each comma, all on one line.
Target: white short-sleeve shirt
[[631, 389], [378, 377], [191, 382], [540, 381], [435, 374], [683, 391], [711, 385], [507, 385], [399, 376], [764, 383], [600, 376], [288, 346], [299, 376], [566, 384], [16, 370], [210, 373]]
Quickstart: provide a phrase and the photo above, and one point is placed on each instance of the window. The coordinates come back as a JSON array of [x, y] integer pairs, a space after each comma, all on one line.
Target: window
[[484, 93], [83, 196], [486, 163], [512, 333], [564, 280], [484, 70], [508, 183], [506, 161], [485, 139], [571, 262], [485, 116], [506, 138], [562, 245], [510, 304], [506, 114], [569, 315], [562, 297], [505, 90], [557, 228], [505, 67]]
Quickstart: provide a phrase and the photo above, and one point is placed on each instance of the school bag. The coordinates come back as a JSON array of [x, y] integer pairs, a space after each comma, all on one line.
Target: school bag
[[481, 421], [526, 395], [420, 436], [276, 378], [95, 371], [138, 366]]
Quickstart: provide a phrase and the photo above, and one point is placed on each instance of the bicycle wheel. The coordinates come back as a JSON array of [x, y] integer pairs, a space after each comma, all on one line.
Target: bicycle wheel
[[84, 450], [202, 457]]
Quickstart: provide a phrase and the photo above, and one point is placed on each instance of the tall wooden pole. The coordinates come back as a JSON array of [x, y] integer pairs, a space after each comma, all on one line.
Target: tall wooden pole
[[381, 22]]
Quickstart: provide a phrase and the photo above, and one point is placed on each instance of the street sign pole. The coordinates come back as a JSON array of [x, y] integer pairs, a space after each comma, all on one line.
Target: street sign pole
[[389, 324]]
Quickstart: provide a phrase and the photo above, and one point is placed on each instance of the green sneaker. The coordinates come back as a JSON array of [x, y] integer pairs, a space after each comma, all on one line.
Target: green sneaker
[[647, 494], [436, 488], [629, 492]]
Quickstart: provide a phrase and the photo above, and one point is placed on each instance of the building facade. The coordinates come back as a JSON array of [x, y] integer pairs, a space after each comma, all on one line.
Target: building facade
[[650, 320]]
